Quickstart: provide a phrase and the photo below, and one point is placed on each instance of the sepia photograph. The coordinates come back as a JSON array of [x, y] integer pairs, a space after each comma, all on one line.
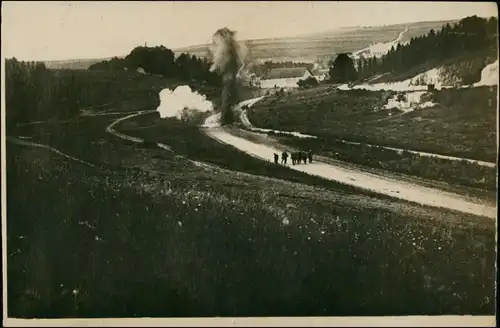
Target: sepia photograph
[[208, 163]]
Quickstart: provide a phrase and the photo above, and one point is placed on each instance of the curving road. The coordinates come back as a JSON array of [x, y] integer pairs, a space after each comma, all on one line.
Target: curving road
[[361, 179]]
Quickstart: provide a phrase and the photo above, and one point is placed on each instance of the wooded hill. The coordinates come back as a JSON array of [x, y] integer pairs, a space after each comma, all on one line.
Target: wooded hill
[[161, 61], [472, 41]]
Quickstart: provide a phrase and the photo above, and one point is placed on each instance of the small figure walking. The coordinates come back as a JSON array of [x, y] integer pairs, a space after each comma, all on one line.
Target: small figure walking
[[276, 158], [284, 156], [310, 156]]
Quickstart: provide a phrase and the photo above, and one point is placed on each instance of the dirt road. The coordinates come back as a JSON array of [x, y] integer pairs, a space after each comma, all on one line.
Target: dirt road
[[365, 180], [362, 179]]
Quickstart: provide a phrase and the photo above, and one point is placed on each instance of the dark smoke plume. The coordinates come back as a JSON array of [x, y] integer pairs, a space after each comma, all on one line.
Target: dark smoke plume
[[227, 57]]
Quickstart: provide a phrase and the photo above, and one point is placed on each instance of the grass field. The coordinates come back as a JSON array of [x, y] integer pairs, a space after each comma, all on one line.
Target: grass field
[[190, 242], [463, 123], [147, 232], [188, 140]]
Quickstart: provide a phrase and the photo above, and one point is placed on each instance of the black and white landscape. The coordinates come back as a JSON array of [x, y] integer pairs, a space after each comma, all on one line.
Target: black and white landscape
[[249, 159]]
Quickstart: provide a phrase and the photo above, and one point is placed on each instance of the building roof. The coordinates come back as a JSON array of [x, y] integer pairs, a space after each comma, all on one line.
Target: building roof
[[286, 73]]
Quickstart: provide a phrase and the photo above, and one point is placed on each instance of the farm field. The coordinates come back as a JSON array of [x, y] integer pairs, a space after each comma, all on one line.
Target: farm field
[[323, 45], [298, 48]]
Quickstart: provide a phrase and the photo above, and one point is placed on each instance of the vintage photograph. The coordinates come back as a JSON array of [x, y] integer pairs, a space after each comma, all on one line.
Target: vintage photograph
[[249, 159]]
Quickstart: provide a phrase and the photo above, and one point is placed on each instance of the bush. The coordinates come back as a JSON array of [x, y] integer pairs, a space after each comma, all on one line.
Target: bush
[[307, 83]]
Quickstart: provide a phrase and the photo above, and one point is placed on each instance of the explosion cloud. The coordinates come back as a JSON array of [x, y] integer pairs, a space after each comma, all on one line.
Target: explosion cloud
[[227, 61], [181, 102]]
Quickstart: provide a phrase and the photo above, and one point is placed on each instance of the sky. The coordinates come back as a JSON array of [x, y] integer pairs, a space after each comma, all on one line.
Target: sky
[[50, 30]]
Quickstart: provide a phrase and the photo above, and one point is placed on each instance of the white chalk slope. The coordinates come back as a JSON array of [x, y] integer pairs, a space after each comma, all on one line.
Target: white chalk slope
[[489, 77], [409, 102], [417, 83], [383, 185], [381, 48]]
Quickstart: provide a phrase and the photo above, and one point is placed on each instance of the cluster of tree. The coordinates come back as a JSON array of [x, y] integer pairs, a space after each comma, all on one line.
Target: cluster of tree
[[261, 69], [162, 61], [470, 35], [33, 92], [114, 64], [342, 69]]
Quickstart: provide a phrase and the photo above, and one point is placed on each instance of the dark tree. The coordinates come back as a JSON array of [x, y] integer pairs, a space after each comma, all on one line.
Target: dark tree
[[342, 69], [162, 61], [360, 66], [115, 64], [183, 67], [156, 60]]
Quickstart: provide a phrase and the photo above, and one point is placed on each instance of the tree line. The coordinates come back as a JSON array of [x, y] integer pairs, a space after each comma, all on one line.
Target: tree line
[[162, 61], [32, 91], [468, 36]]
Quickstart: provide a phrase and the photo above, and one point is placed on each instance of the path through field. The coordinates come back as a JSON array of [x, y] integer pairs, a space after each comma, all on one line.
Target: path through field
[[365, 180]]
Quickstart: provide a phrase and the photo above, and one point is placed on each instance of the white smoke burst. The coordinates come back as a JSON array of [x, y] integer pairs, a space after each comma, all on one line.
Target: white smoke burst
[[181, 102]]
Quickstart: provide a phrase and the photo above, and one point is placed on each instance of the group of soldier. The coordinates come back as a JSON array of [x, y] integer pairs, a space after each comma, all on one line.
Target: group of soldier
[[296, 157]]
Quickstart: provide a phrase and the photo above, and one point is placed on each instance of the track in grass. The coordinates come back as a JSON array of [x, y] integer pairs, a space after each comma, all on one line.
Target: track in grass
[[392, 187]]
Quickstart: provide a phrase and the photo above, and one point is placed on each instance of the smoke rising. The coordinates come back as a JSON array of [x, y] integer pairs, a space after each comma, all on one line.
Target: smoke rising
[[227, 61], [182, 103]]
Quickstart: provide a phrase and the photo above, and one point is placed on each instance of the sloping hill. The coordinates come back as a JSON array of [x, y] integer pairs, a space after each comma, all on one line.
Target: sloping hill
[[455, 55], [327, 44], [307, 48]]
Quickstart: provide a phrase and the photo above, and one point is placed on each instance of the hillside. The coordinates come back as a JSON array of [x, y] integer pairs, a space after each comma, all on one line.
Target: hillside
[[414, 29], [163, 201], [324, 45], [451, 56], [302, 48]]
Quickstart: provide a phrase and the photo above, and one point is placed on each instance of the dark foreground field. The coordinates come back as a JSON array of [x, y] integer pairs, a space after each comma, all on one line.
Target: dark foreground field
[[147, 232], [463, 124]]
